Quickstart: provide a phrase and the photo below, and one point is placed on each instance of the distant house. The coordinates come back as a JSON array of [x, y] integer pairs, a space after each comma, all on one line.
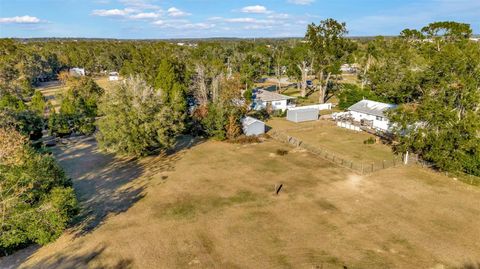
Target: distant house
[[348, 68], [252, 126], [77, 72], [113, 76], [263, 99], [371, 114]]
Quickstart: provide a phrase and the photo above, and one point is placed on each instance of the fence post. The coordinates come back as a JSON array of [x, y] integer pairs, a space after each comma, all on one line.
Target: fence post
[[372, 167]]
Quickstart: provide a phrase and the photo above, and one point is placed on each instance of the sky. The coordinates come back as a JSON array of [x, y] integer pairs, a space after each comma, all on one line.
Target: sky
[[163, 19]]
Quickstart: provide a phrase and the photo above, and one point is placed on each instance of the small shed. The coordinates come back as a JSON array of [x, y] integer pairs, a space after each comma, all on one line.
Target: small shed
[[252, 126], [301, 115]]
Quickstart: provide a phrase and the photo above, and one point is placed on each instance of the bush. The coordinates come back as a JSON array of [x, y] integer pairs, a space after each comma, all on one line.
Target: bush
[[282, 152], [78, 109], [38, 201], [243, 139], [27, 122], [279, 113], [351, 94], [260, 114], [222, 121], [369, 141], [136, 121]]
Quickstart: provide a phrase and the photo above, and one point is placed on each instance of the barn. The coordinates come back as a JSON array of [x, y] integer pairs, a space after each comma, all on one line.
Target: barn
[[301, 115], [252, 126]]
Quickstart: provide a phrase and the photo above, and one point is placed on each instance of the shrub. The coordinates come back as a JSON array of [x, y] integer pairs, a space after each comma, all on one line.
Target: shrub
[[37, 199], [78, 109], [351, 94], [27, 122], [369, 141], [243, 139], [222, 121], [282, 152], [136, 121], [260, 114], [279, 113]]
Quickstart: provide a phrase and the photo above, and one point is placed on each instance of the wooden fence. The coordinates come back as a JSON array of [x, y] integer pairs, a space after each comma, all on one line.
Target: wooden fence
[[359, 167]]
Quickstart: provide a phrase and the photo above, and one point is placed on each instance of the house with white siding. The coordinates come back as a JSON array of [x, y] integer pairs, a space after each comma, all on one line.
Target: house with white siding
[[263, 99], [372, 114]]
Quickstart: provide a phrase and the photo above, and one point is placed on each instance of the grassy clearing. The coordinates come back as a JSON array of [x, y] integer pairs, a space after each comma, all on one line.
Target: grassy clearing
[[51, 89], [344, 143], [213, 206]]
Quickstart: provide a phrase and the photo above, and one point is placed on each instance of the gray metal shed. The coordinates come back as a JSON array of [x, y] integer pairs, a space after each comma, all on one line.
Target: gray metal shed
[[252, 126], [301, 115]]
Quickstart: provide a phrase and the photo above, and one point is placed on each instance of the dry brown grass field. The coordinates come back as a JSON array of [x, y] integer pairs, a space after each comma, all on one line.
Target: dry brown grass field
[[344, 143], [212, 205]]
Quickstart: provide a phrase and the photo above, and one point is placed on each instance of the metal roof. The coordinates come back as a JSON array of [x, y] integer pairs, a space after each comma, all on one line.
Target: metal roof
[[371, 107], [270, 96], [249, 120]]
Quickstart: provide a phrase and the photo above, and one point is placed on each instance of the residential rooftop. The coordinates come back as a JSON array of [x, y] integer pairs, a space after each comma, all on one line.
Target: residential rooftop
[[371, 107], [268, 96]]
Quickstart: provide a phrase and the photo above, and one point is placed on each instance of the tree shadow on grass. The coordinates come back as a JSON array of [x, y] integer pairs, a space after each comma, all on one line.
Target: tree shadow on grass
[[103, 183], [107, 185], [75, 257], [470, 265]]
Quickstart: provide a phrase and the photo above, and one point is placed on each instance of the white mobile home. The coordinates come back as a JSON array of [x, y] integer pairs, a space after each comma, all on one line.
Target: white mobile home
[[252, 126], [263, 99], [113, 76], [371, 114], [77, 72]]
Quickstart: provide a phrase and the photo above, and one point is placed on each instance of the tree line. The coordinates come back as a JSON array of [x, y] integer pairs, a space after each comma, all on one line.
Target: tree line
[[432, 73]]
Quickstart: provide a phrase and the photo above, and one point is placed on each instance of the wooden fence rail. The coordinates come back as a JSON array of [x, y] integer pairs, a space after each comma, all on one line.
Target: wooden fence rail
[[359, 167]]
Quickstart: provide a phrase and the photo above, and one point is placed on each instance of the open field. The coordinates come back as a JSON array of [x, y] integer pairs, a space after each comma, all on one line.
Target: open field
[[344, 143], [213, 206], [51, 89]]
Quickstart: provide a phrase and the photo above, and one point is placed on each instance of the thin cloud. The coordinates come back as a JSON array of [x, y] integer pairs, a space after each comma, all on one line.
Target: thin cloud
[[113, 12], [175, 12], [21, 20], [139, 4], [145, 15], [257, 9], [301, 2]]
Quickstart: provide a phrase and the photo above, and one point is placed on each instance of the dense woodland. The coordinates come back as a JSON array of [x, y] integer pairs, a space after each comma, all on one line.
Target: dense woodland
[[433, 74]]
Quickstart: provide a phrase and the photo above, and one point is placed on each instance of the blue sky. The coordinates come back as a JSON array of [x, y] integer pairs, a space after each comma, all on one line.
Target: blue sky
[[222, 18]]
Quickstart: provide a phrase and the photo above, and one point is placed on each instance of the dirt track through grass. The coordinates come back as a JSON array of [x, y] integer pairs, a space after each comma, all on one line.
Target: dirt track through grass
[[213, 207]]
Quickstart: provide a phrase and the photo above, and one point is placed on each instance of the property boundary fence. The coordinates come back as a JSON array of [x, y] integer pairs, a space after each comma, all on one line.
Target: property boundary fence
[[358, 167]]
